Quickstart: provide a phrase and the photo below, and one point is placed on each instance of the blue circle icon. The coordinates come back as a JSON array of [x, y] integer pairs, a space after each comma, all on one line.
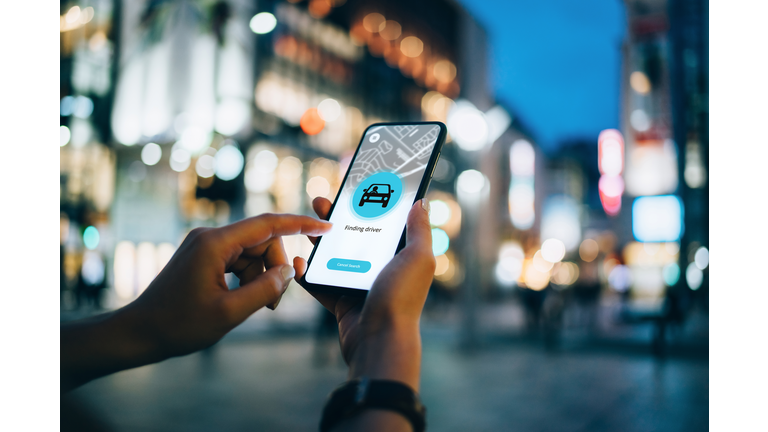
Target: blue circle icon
[[377, 195]]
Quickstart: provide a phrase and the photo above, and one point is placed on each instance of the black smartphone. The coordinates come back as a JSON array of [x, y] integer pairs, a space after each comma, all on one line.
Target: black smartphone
[[391, 170]]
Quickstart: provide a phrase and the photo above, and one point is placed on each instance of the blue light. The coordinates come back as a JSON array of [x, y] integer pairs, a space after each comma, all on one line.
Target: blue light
[[82, 107], [91, 237], [671, 274], [66, 106], [657, 218], [440, 241]]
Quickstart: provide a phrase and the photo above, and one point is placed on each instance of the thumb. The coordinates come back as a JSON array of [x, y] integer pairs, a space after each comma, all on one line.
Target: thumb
[[265, 290]]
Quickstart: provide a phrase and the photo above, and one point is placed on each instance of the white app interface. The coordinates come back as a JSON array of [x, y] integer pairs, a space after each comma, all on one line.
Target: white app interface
[[373, 206]]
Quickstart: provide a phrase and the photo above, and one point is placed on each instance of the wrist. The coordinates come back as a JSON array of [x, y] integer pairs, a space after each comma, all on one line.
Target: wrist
[[103, 344], [391, 354], [138, 341]]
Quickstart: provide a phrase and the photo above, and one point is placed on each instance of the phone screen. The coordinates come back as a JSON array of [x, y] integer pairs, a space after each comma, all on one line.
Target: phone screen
[[373, 205]]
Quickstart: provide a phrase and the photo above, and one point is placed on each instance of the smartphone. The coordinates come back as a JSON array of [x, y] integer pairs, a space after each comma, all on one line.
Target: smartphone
[[391, 170]]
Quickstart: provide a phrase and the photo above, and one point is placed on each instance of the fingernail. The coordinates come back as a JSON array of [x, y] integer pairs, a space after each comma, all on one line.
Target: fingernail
[[287, 272], [425, 204]]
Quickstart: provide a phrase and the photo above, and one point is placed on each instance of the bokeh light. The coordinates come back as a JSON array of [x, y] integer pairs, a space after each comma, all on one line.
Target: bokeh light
[[540, 263], [560, 220], [374, 22], [620, 278], [640, 82], [391, 31], [657, 218], [671, 274], [639, 120], [64, 136], [311, 122], [260, 173], [318, 186], [232, 115], [329, 110], [439, 212], [151, 154], [93, 268], [467, 126], [82, 107], [470, 182], [229, 162], [440, 241], [510, 264], [565, 273], [588, 250], [612, 157], [442, 263], [533, 277], [205, 166], [522, 158], [263, 23], [180, 159], [701, 258], [444, 71], [411, 46], [553, 250], [91, 237], [124, 269], [694, 276], [146, 265]]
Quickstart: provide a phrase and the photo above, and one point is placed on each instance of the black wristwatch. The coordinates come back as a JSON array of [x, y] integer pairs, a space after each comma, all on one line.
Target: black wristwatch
[[353, 396]]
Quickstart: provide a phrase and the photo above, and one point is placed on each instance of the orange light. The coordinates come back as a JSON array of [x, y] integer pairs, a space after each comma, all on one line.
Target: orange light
[[358, 34], [311, 122], [444, 71], [374, 22], [391, 31], [319, 8], [411, 46], [377, 46]]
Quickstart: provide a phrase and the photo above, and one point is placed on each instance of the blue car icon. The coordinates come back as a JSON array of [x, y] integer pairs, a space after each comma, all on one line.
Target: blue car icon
[[376, 193]]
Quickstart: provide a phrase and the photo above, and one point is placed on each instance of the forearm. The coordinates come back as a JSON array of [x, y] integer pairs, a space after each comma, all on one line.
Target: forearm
[[392, 355], [101, 345]]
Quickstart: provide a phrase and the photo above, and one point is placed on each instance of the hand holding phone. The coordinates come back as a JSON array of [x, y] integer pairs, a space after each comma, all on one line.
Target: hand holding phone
[[390, 171], [379, 334]]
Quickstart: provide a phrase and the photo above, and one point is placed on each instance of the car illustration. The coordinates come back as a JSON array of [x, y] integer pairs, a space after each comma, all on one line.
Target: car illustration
[[376, 193]]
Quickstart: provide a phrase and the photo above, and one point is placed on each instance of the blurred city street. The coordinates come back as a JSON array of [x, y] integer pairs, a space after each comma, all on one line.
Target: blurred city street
[[569, 204], [272, 383]]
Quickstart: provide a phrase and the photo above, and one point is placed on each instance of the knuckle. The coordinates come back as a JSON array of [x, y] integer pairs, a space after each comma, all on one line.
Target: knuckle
[[207, 238], [429, 262], [195, 233]]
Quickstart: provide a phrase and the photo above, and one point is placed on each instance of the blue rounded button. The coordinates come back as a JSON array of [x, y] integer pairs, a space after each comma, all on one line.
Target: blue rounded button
[[348, 265]]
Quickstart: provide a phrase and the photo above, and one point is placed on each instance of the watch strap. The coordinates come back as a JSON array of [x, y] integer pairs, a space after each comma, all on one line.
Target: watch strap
[[353, 396]]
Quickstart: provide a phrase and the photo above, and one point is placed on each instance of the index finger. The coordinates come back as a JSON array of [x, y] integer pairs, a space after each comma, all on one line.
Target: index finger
[[256, 230]]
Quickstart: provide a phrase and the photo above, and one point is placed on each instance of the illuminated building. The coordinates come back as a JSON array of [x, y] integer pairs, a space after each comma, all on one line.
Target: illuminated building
[[210, 112]]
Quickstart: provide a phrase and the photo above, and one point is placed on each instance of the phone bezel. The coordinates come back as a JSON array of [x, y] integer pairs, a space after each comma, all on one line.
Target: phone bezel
[[423, 186]]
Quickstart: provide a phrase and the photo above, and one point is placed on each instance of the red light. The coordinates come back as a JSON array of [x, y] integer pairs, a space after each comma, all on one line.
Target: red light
[[311, 122], [610, 152], [610, 161]]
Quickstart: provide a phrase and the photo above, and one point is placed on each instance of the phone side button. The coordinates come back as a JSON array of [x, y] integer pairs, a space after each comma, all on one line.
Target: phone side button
[[347, 265]]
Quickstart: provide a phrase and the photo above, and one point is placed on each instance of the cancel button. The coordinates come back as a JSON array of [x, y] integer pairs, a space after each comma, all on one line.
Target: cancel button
[[348, 265]]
